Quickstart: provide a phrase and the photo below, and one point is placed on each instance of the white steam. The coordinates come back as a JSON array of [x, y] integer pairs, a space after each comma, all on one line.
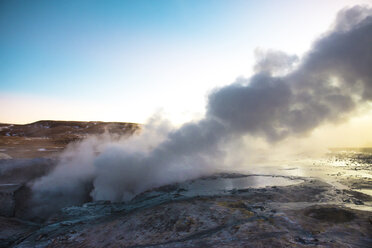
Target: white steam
[[327, 86], [108, 167]]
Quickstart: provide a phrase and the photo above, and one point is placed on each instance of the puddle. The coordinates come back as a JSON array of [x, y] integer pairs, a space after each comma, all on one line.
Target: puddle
[[9, 187], [8, 184], [365, 207], [220, 185], [364, 191]]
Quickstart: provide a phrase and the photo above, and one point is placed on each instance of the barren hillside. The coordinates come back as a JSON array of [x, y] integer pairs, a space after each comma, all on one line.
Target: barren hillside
[[47, 138]]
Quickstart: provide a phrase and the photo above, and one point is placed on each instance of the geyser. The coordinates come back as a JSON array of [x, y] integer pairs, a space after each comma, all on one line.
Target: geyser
[[280, 100]]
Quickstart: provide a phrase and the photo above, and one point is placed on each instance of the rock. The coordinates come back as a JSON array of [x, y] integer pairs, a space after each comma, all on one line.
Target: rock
[[4, 156]]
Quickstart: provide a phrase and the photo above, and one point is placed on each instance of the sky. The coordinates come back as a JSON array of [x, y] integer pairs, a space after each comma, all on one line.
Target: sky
[[126, 60]]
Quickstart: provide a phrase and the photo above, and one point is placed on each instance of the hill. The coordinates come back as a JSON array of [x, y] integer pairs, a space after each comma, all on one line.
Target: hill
[[47, 138]]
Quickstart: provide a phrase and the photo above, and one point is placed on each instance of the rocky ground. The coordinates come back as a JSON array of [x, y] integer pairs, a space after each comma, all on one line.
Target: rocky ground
[[311, 213], [304, 203]]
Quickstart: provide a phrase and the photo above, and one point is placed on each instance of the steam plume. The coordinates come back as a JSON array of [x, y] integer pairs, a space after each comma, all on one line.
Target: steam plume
[[332, 80], [285, 97]]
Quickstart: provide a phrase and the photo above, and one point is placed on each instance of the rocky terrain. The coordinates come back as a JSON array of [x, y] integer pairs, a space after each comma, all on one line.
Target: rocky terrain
[[306, 213], [304, 203]]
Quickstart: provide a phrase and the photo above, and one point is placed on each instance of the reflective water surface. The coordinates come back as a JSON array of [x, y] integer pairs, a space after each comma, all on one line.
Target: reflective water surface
[[221, 184]]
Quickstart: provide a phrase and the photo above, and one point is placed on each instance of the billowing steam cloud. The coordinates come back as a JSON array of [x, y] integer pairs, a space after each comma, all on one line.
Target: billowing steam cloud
[[285, 97], [333, 78]]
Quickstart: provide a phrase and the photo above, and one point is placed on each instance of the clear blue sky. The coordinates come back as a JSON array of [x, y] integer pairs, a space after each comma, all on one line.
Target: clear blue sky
[[124, 60]]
